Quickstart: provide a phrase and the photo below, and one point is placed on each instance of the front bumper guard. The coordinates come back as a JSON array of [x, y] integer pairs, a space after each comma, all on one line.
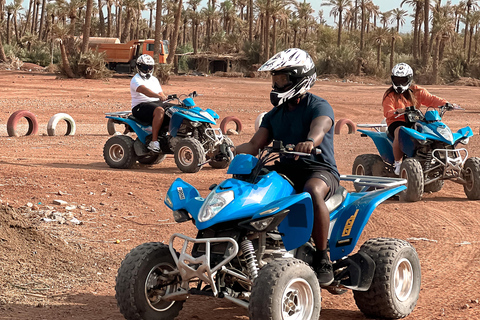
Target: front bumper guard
[[190, 267], [452, 165]]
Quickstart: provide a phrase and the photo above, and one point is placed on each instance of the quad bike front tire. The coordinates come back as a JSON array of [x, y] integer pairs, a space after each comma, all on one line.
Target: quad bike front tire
[[141, 280], [412, 171], [285, 289], [364, 166], [151, 159], [471, 174], [395, 287], [189, 155], [119, 152], [435, 186], [224, 163]]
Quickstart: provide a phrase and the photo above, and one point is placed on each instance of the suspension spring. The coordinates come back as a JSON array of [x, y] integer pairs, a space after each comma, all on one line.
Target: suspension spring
[[249, 254], [428, 161]]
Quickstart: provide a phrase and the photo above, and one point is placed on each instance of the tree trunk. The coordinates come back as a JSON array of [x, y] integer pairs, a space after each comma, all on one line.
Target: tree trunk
[[469, 55], [126, 29], [42, 19], [355, 18], [119, 21], [267, 31], [362, 27], [379, 53], [426, 50], [87, 26], [8, 27], [435, 61], [109, 19], [65, 62], [29, 13], [392, 52], [340, 23], [101, 18], [415, 32], [176, 27], [158, 31], [274, 35], [3, 57], [250, 21]]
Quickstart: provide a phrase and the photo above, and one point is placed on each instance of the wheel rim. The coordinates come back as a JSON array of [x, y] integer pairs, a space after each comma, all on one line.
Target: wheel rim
[[360, 170], [116, 152], [469, 179], [185, 156], [154, 290], [403, 279], [297, 300]]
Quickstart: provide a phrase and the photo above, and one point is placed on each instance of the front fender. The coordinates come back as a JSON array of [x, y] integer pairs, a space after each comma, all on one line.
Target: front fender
[[407, 136], [182, 195], [352, 217], [297, 226]]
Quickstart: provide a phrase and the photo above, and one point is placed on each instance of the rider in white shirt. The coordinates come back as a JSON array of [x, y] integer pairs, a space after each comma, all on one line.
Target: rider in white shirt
[[147, 97]]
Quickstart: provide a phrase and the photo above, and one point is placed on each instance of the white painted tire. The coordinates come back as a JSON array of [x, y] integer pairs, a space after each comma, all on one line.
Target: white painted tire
[[52, 123], [258, 121]]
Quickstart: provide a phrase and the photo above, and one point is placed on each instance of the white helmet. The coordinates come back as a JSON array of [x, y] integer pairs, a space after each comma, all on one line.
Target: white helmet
[[402, 76], [298, 70], [145, 64]]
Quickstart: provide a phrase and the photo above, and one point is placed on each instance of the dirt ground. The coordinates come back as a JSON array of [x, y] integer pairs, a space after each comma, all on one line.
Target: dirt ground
[[66, 268]]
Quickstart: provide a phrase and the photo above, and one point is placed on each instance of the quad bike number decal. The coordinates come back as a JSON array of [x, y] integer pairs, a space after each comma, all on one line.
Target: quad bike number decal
[[349, 224], [181, 194]]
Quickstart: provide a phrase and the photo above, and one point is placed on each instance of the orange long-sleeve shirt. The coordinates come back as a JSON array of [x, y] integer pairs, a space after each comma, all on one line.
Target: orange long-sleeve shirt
[[395, 101]]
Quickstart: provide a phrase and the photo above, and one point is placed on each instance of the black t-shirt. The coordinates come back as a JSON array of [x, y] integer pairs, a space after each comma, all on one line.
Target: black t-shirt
[[292, 127]]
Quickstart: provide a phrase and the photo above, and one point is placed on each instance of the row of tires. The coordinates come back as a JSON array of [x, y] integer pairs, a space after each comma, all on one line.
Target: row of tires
[[33, 123]]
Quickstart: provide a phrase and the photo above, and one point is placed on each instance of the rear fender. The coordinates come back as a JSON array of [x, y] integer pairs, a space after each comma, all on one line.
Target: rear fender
[[182, 195], [296, 227], [141, 131], [383, 144], [352, 217]]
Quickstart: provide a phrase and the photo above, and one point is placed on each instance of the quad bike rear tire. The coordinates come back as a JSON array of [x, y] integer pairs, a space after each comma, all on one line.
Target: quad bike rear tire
[[138, 280], [395, 287], [224, 163], [285, 289], [471, 174], [152, 159], [364, 166], [435, 186], [412, 171], [189, 155], [119, 152]]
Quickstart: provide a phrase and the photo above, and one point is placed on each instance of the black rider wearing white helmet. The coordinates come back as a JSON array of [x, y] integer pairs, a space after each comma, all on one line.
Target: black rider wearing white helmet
[[147, 96], [305, 120], [400, 95]]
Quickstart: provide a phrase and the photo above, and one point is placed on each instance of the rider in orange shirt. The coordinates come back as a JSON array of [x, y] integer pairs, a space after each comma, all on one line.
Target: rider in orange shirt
[[400, 95]]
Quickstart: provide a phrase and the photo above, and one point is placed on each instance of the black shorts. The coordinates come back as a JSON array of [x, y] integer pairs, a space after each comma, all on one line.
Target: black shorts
[[393, 126], [299, 175], [144, 111]]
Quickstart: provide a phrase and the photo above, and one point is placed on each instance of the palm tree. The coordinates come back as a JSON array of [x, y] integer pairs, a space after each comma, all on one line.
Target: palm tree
[[9, 9], [3, 57], [385, 17], [158, 30], [87, 26], [338, 7], [417, 4], [16, 6], [469, 4], [42, 19], [399, 15], [443, 30], [426, 51], [62, 33], [381, 35], [395, 36], [178, 16], [474, 21], [195, 22], [150, 6], [109, 18], [129, 5], [101, 18]]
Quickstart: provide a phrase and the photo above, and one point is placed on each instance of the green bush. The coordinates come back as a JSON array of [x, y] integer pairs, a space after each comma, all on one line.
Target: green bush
[[163, 71]]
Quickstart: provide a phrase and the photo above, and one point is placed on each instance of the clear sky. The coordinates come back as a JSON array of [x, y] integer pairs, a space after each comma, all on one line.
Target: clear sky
[[385, 5]]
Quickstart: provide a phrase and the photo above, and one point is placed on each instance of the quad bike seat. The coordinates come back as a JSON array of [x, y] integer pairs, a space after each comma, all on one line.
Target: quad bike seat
[[336, 199]]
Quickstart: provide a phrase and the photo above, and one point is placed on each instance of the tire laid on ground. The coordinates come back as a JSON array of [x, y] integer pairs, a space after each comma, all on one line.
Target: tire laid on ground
[[471, 174], [139, 280], [224, 163], [342, 122], [412, 171], [189, 154], [119, 152], [226, 120], [285, 289], [435, 186], [395, 288], [258, 121], [16, 116], [52, 124], [152, 158], [364, 164]]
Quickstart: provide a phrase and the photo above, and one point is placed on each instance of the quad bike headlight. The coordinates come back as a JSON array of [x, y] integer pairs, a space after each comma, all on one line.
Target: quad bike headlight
[[446, 133], [214, 203]]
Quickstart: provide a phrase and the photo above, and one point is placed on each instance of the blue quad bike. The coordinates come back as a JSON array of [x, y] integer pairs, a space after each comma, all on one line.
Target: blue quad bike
[[254, 248], [432, 155], [187, 134]]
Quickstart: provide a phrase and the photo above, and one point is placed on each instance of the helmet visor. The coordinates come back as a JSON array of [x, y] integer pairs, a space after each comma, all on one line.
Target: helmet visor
[[401, 81], [281, 82], [145, 68]]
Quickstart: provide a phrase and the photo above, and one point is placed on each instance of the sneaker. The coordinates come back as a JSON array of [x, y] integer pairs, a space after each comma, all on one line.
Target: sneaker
[[154, 146], [397, 166], [324, 272]]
